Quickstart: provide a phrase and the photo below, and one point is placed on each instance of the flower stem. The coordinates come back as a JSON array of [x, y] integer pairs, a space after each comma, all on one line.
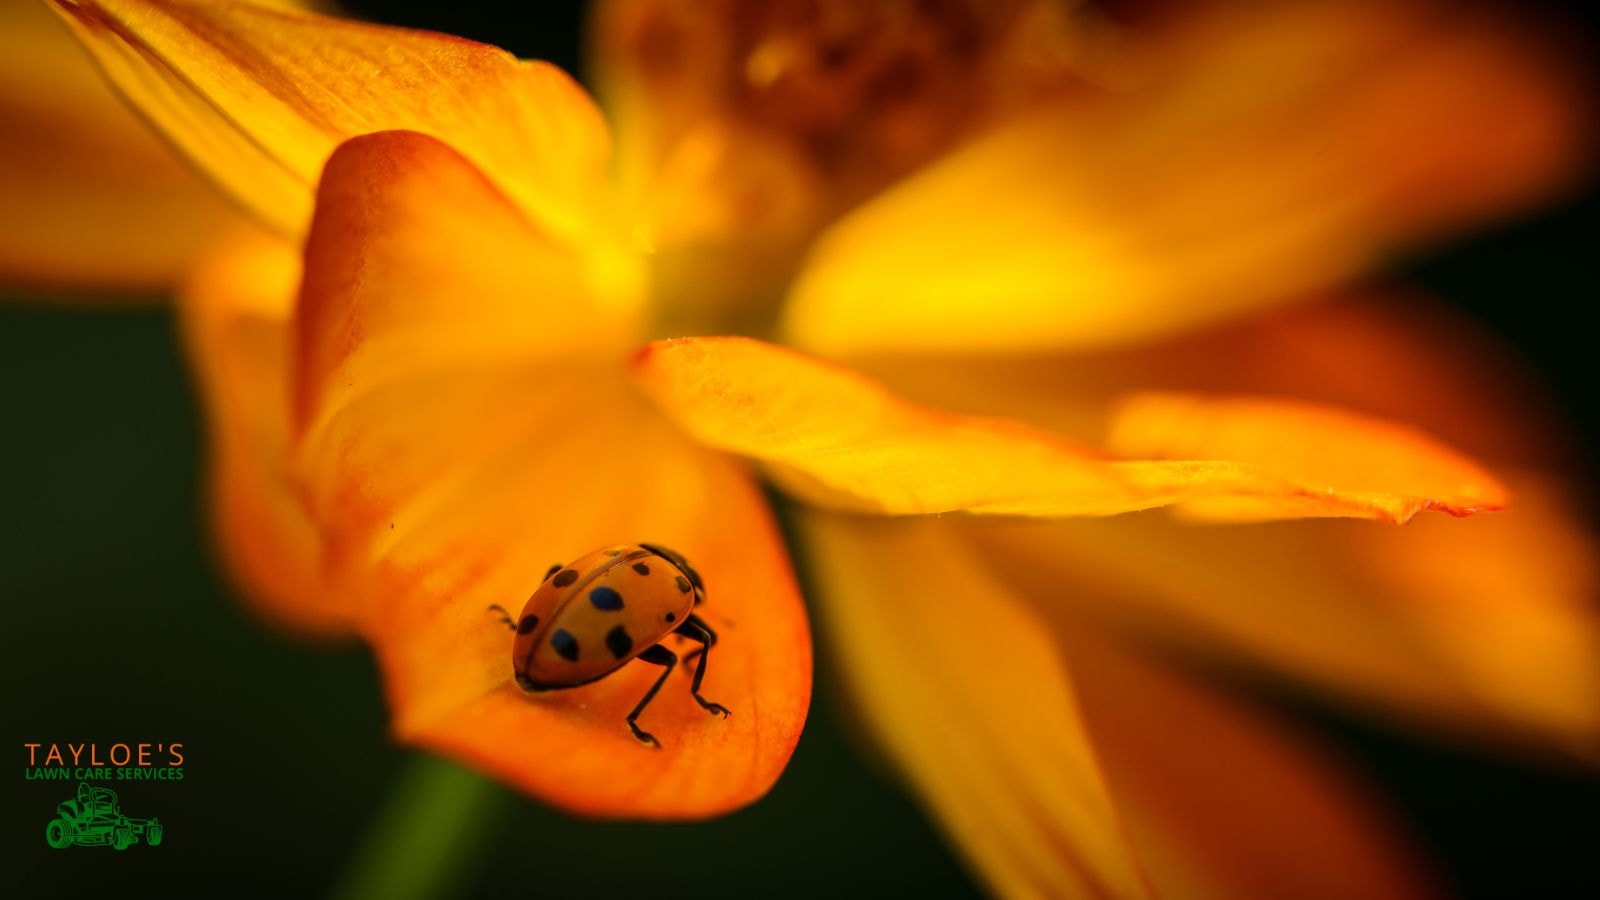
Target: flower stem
[[433, 831]]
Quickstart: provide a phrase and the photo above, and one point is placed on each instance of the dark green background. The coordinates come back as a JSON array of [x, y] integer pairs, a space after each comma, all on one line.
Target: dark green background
[[119, 628]]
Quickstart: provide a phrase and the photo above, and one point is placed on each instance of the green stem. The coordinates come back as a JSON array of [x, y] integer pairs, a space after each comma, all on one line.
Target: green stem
[[433, 831]]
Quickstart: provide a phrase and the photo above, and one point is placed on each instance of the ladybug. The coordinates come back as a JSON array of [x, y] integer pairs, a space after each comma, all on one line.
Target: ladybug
[[589, 617]]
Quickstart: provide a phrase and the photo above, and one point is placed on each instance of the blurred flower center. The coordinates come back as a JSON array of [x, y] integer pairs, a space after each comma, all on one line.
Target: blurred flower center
[[751, 126]]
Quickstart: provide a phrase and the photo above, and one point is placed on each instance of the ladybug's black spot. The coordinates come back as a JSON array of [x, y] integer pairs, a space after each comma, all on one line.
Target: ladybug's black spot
[[618, 642], [605, 599], [528, 623], [682, 582], [565, 644], [565, 577], [672, 617], [641, 568]]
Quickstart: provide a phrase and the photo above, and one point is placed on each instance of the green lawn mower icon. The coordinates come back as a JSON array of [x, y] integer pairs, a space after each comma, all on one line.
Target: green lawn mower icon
[[95, 819]]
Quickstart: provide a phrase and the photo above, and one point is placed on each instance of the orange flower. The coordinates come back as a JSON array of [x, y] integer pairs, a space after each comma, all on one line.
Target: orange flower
[[994, 215]]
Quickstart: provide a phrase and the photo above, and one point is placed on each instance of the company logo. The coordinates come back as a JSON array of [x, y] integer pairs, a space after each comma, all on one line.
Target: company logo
[[94, 818]]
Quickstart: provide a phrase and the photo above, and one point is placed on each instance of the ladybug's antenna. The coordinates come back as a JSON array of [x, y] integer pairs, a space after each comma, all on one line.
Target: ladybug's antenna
[[504, 616]]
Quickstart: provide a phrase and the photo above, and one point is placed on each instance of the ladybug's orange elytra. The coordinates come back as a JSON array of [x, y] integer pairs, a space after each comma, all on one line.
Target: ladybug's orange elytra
[[590, 617]]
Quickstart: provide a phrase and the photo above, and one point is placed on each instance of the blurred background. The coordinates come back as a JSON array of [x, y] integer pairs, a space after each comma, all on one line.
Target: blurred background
[[121, 628]]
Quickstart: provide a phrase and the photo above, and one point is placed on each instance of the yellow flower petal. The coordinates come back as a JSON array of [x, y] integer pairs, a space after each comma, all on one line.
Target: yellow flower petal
[[1485, 626], [235, 312], [406, 231], [467, 425], [90, 199], [965, 690], [1224, 802], [1391, 472], [840, 440], [1274, 150], [489, 477], [1005, 753], [259, 98]]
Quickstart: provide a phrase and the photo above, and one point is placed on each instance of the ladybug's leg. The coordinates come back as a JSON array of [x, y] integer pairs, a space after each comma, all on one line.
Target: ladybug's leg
[[504, 616], [690, 657], [528, 622], [661, 656], [695, 629]]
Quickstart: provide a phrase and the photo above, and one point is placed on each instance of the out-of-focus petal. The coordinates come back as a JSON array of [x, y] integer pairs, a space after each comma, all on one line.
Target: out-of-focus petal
[[1394, 355], [1487, 626], [1223, 802], [444, 482], [421, 264], [235, 312], [1394, 469], [90, 199], [1276, 149], [840, 440], [743, 127], [259, 98], [967, 692]]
